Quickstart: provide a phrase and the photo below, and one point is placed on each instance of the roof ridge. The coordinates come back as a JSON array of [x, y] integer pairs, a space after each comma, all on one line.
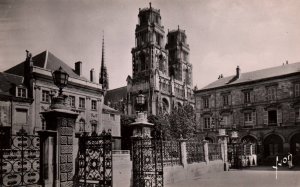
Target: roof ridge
[[46, 59]]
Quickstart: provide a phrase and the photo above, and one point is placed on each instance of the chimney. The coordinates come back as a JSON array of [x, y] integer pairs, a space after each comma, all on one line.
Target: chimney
[[78, 68], [92, 75], [238, 72]]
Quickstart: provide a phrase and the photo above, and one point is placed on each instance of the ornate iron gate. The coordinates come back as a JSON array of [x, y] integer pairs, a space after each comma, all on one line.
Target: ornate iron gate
[[19, 159], [95, 160], [147, 162]]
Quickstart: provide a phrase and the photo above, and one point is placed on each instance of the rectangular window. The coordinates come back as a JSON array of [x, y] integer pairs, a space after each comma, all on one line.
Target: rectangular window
[[94, 105], [207, 122], [225, 121], [271, 93], [272, 117], [247, 98], [46, 96], [21, 116], [298, 114], [21, 92], [81, 102], [72, 101], [112, 116], [225, 100], [248, 117], [206, 102], [297, 89]]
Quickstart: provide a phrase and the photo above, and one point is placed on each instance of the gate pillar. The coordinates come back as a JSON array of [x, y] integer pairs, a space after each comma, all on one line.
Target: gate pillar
[[146, 155], [61, 122]]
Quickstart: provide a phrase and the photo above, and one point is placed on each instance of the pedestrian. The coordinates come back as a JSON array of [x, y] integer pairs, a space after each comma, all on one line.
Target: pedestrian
[[290, 160]]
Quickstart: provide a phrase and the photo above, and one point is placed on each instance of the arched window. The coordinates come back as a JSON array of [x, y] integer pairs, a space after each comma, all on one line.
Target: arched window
[[273, 145], [295, 145], [81, 125], [166, 105], [143, 61], [94, 126]]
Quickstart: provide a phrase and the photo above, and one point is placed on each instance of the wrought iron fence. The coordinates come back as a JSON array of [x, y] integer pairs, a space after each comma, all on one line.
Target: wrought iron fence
[[20, 159], [147, 162], [171, 153], [95, 160], [214, 151], [195, 152]]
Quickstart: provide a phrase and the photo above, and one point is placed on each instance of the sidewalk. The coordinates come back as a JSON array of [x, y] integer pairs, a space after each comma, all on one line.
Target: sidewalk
[[250, 177]]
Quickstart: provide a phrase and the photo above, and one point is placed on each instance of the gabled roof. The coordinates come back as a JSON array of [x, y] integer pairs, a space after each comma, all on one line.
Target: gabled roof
[[116, 95], [9, 82], [256, 75], [47, 61]]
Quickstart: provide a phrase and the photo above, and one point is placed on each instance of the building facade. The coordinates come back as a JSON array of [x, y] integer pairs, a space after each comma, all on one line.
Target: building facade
[[84, 96], [161, 69], [263, 106]]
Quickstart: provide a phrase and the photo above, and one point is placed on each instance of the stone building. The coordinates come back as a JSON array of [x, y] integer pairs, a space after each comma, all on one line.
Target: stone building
[[33, 84], [162, 72], [262, 105]]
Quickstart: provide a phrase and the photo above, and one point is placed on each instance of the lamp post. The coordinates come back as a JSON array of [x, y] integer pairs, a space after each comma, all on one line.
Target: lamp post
[[57, 138], [60, 79]]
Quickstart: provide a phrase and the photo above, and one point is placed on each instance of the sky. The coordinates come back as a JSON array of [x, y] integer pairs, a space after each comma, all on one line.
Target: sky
[[222, 34]]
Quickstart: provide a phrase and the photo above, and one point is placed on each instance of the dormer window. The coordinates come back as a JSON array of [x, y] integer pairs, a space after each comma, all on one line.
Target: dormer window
[[21, 92]]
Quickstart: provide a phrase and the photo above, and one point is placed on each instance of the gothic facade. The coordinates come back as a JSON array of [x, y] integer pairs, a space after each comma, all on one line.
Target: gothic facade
[[161, 71]]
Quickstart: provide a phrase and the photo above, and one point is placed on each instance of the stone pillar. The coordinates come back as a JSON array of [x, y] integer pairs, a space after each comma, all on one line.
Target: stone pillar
[[183, 152], [205, 146], [286, 147], [61, 120]]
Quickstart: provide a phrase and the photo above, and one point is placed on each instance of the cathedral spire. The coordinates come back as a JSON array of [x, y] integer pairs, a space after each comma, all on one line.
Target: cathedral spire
[[103, 71]]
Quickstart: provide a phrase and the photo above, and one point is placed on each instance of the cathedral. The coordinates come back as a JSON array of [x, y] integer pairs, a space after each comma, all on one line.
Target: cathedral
[[161, 68]]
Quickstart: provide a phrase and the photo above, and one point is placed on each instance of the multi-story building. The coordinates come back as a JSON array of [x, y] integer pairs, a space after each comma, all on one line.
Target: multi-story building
[[34, 86], [262, 105], [162, 72]]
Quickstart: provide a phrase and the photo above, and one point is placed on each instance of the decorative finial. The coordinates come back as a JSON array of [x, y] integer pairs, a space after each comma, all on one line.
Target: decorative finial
[[150, 5], [28, 54], [178, 27]]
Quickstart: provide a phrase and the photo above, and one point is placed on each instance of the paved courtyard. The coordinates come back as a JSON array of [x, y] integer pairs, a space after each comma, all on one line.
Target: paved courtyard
[[252, 177]]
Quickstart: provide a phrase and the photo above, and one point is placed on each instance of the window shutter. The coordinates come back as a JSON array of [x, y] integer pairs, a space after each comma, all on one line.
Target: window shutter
[[279, 117], [242, 120], [265, 117], [252, 97], [254, 117]]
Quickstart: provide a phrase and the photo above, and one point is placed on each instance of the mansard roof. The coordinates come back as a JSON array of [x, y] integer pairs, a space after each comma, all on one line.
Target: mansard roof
[[47, 61], [258, 75]]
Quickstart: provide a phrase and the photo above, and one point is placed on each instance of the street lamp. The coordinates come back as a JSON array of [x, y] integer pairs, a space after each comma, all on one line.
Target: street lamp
[[140, 100], [60, 78]]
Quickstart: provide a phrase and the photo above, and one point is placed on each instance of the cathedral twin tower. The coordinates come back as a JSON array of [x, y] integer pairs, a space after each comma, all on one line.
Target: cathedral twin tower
[[162, 72]]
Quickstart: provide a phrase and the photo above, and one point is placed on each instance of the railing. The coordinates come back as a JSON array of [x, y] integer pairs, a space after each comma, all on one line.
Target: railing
[[171, 153], [20, 160], [214, 151], [195, 152]]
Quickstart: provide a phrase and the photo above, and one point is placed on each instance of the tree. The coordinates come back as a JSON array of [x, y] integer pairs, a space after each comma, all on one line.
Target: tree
[[183, 122], [161, 126]]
